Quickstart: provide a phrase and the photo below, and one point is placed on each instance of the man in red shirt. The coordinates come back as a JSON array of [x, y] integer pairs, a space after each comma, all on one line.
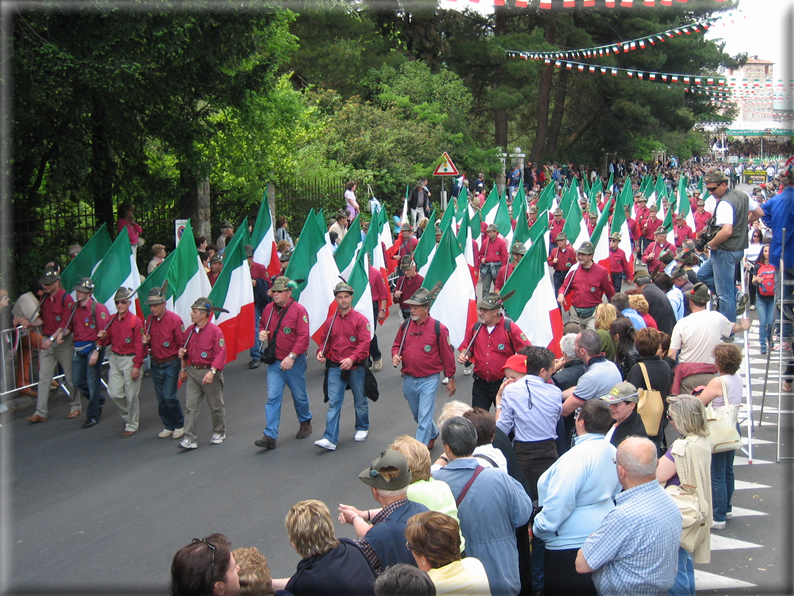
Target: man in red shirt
[[407, 284], [56, 307], [216, 264], [489, 343], [641, 213], [493, 256], [532, 216], [124, 334], [380, 303], [649, 227], [557, 224], [344, 348], [517, 251], [285, 325], [634, 230], [587, 284], [89, 319], [423, 348], [591, 223], [701, 217], [203, 357], [561, 259], [260, 280], [408, 242], [682, 231], [658, 250], [618, 263], [163, 335]]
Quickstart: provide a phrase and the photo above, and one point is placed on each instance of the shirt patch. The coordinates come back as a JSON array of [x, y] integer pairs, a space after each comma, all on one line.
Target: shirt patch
[[92, 326], [428, 348], [103, 315], [287, 330], [203, 354], [57, 317], [127, 340], [352, 338], [524, 337], [220, 343], [592, 289], [166, 344], [305, 319], [368, 329], [183, 328], [500, 347]]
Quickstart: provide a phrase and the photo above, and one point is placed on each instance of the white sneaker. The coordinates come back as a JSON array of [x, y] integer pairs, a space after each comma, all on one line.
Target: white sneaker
[[718, 525], [728, 515], [325, 444], [188, 444], [178, 433], [165, 433], [217, 438], [445, 381], [361, 435], [377, 364], [467, 370]]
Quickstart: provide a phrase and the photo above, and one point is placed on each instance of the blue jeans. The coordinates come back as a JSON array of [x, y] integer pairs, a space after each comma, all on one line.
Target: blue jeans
[[165, 378], [295, 379], [719, 274], [685, 579], [766, 317], [722, 483], [336, 395], [88, 380], [420, 392], [255, 350]]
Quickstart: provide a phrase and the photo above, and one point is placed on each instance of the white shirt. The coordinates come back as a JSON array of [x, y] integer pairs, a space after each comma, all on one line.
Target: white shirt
[[695, 335], [724, 214]]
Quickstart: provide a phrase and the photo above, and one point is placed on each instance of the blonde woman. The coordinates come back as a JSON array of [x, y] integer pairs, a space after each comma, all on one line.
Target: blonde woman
[[605, 315], [640, 304]]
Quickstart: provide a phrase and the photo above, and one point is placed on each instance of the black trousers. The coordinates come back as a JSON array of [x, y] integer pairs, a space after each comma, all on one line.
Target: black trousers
[[559, 278], [483, 393], [374, 350], [535, 457], [617, 281], [560, 577]]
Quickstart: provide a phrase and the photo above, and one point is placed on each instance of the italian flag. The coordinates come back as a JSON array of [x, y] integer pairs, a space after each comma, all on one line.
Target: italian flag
[[600, 239], [187, 280], [466, 241], [502, 221], [425, 249], [264, 241], [455, 305], [234, 292], [118, 268], [372, 247], [488, 210], [87, 260], [346, 253], [620, 226], [313, 262], [574, 226], [533, 306], [362, 293]]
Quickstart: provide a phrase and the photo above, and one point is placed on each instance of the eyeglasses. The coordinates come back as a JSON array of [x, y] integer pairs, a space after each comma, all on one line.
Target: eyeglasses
[[408, 546], [209, 545], [614, 459], [712, 188], [122, 301]]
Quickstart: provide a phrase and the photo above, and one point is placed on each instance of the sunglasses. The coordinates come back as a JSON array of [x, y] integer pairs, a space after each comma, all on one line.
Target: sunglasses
[[209, 545], [122, 301]]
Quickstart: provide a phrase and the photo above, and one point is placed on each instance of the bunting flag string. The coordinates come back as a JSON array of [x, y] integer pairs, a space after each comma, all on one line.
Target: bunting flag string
[[551, 4]]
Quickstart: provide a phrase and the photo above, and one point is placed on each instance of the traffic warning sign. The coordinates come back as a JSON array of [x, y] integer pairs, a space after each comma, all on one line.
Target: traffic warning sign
[[446, 167]]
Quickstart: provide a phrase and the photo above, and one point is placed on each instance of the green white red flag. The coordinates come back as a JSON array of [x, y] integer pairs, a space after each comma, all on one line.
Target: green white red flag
[[362, 293], [346, 253], [264, 241], [87, 260], [621, 226], [118, 268], [600, 239]]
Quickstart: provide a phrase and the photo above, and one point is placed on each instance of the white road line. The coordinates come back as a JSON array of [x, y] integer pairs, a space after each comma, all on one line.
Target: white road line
[[712, 581], [742, 512], [719, 542], [742, 485]]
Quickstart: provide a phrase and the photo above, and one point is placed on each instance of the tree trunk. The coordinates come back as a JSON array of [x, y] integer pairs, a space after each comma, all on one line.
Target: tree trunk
[[195, 203], [544, 96], [100, 181], [555, 125], [583, 128]]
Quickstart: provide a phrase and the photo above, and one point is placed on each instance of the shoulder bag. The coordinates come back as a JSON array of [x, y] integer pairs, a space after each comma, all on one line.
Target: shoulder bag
[[650, 406], [723, 434]]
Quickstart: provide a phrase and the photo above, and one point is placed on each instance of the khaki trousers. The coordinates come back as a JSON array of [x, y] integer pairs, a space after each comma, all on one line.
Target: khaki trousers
[[214, 394], [48, 361], [124, 390]]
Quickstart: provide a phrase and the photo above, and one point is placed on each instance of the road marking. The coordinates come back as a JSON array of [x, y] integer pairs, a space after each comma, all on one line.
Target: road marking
[[719, 542], [742, 485], [743, 461], [742, 512], [712, 581]]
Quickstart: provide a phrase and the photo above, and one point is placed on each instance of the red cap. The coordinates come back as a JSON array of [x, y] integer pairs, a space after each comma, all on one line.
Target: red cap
[[516, 362]]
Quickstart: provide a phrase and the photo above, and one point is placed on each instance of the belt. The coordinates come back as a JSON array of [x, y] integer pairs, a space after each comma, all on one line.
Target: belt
[[201, 366], [124, 355], [476, 378], [164, 360]]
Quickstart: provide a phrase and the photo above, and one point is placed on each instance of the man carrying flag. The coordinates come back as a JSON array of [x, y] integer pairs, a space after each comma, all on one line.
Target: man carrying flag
[[260, 280], [588, 284], [659, 252], [618, 263], [517, 251], [380, 304], [423, 348], [561, 259], [163, 335], [407, 284], [285, 326], [493, 256]]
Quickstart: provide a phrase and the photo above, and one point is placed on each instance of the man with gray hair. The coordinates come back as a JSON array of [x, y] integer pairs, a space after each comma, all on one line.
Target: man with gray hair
[[635, 549], [572, 366], [491, 538], [600, 375]]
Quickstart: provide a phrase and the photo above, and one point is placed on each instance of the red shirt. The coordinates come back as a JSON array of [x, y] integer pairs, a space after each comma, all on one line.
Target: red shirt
[[504, 273], [555, 228], [258, 271], [494, 251], [55, 311], [700, 220], [490, 351], [293, 335], [377, 285], [133, 229], [124, 337], [618, 262], [682, 232], [652, 254], [166, 335], [213, 277], [206, 347], [408, 285], [565, 258], [590, 227], [650, 226], [349, 337], [588, 286], [423, 352], [85, 325], [649, 321], [634, 230], [407, 248], [642, 213]]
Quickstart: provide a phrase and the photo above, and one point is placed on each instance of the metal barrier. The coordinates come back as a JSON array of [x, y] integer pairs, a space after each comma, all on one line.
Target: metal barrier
[[13, 342]]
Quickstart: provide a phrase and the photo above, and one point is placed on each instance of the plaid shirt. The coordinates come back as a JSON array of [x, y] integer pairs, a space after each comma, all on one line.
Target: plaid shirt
[[366, 548]]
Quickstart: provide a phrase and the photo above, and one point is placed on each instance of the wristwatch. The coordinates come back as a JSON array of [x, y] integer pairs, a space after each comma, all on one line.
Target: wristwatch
[[214, 370], [293, 356]]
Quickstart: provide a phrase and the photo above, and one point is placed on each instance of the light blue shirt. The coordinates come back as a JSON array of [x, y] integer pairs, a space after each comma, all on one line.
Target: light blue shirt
[[532, 407], [600, 376], [491, 510], [676, 298], [635, 550], [636, 320], [576, 493]]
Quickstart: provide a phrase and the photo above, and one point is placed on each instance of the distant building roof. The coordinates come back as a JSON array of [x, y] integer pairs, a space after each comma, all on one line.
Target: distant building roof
[[757, 60]]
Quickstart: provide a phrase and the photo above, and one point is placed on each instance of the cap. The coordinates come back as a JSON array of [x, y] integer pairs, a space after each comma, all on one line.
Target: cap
[[532, 209], [492, 301], [586, 248], [615, 236], [202, 304], [557, 211], [640, 273], [123, 293], [281, 284], [661, 230], [343, 287], [156, 296], [341, 214], [622, 392], [438, 230], [518, 248], [715, 176], [677, 273], [695, 191], [561, 236], [701, 202], [285, 256], [680, 216], [406, 262], [492, 228], [699, 294], [642, 199], [74, 249], [84, 285], [49, 277], [516, 362], [653, 208], [389, 471], [225, 225], [249, 250], [216, 259], [406, 227], [594, 215], [420, 298]]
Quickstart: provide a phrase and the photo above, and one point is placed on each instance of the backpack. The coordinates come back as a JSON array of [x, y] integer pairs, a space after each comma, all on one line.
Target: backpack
[[766, 287]]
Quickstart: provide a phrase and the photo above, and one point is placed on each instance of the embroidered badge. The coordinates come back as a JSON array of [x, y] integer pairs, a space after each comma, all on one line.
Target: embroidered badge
[[524, 337], [183, 329], [287, 330], [368, 329], [166, 344], [203, 354], [352, 338], [592, 289], [500, 347], [449, 341], [127, 340], [428, 348], [221, 342], [305, 319], [103, 315], [57, 318], [92, 326]]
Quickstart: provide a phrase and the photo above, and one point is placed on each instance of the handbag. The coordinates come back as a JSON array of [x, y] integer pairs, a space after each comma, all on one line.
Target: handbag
[[370, 384], [650, 406], [269, 353], [693, 518], [723, 434]]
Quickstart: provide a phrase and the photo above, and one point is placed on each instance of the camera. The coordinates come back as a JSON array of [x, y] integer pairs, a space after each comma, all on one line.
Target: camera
[[709, 231]]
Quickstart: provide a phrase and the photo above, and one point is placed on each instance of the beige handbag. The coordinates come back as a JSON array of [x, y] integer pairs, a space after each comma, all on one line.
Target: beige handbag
[[650, 406], [723, 435], [693, 518]]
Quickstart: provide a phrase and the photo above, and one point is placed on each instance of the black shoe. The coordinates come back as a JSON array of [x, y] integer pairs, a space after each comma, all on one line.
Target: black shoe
[[254, 364], [265, 442], [90, 422], [100, 410]]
